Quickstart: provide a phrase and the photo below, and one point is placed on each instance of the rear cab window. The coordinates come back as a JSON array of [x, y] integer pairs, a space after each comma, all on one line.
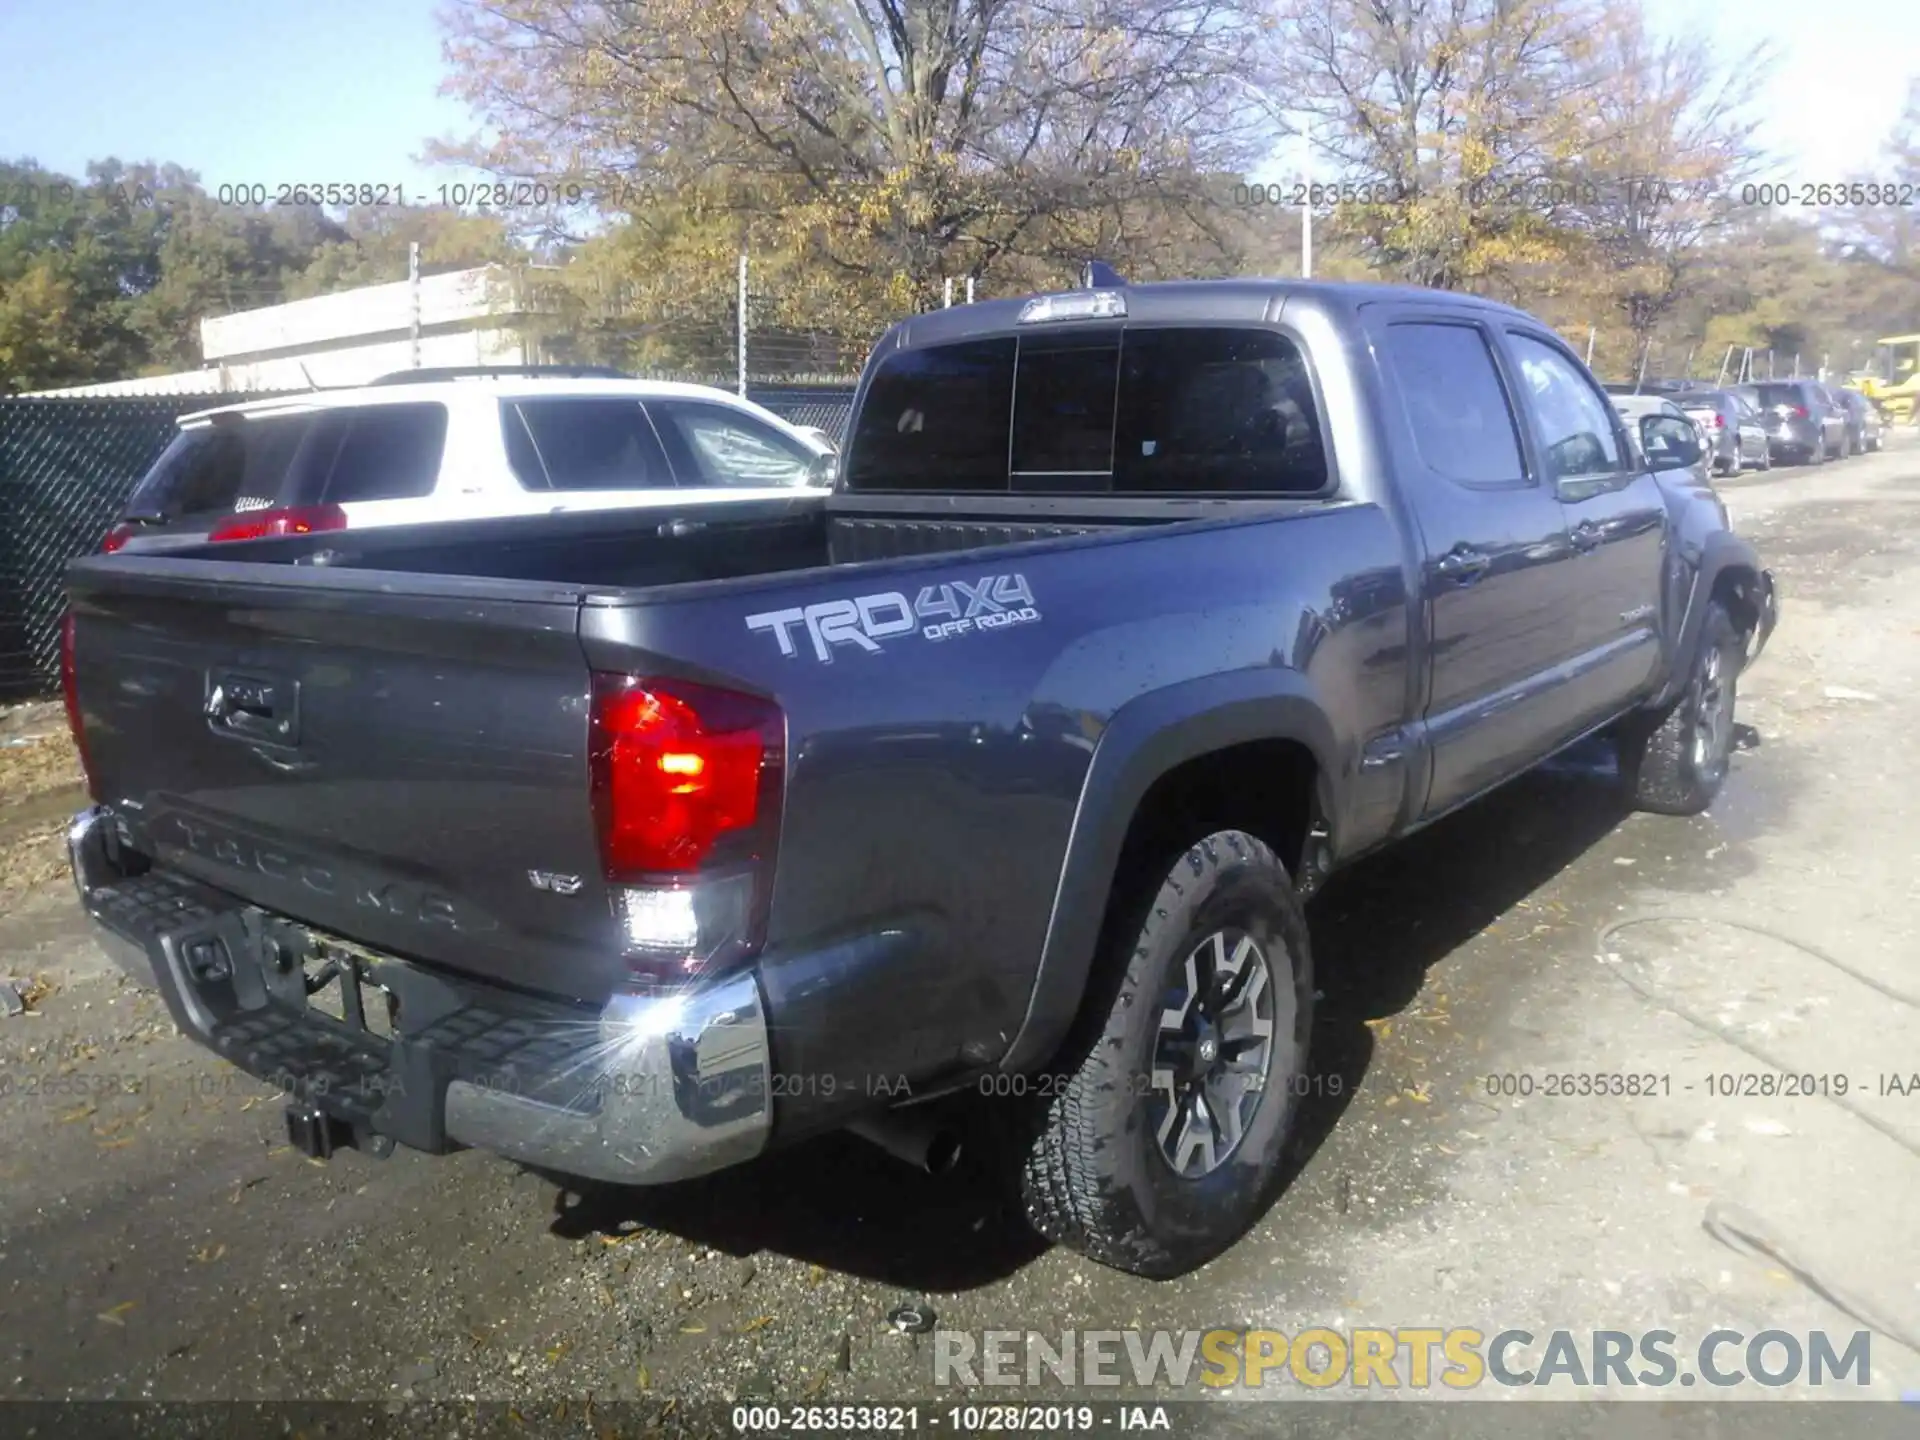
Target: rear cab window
[[1133, 410]]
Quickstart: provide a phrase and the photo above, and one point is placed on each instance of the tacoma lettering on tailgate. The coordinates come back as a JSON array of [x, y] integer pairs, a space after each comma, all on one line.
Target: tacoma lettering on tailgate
[[939, 612]]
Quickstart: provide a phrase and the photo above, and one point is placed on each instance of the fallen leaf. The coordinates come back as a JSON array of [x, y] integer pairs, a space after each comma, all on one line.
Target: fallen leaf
[[694, 1327], [208, 1254], [121, 1143], [645, 1378], [113, 1316], [759, 1322], [79, 1112], [553, 1355], [816, 1273], [606, 1294], [815, 1385]]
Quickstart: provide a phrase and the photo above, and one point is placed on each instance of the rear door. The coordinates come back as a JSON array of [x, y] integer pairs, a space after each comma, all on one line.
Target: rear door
[[1616, 519], [1498, 606]]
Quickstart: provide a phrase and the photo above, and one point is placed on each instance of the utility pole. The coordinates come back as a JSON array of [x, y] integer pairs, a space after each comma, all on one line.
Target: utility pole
[[1638, 379], [1306, 205], [741, 339], [413, 300]]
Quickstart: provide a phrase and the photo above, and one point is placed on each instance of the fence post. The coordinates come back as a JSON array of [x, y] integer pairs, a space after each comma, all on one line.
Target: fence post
[[946, 299], [1590, 333], [1687, 374], [1725, 360], [741, 338], [970, 289], [1640, 378]]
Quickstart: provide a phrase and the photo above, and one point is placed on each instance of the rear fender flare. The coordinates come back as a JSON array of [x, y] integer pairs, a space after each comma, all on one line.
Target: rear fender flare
[[1146, 738]]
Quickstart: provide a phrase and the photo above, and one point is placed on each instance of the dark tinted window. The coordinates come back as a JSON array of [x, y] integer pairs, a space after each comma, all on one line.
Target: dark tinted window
[[1063, 407], [385, 452], [209, 469], [1576, 424], [1216, 410], [1771, 395], [1455, 403], [936, 419], [719, 445], [587, 444]]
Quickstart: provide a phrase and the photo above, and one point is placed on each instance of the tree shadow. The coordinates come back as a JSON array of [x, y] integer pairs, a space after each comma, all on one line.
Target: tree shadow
[[1377, 929]]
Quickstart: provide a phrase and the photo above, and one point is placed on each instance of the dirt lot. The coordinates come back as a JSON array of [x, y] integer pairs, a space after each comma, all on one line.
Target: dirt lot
[[159, 1239]]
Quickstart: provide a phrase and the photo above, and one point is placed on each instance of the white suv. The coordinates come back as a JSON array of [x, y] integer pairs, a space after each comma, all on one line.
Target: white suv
[[429, 445]]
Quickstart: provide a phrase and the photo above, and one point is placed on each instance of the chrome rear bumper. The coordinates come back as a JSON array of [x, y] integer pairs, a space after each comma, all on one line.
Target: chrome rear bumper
[[660, 1087]]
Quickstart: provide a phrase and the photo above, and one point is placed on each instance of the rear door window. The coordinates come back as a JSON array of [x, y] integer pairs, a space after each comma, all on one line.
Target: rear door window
[[712, 444], [373, 452], [1455, 404], [584, 444]]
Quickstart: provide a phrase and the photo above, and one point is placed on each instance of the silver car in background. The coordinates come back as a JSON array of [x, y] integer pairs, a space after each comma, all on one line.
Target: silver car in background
[[1735, 435]]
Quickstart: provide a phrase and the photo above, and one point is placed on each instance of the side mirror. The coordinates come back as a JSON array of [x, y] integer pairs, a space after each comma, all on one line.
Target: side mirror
[[1670, 443], [824, 471]]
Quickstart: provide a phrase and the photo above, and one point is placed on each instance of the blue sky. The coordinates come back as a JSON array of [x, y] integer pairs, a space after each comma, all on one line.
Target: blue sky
[[346, 91]]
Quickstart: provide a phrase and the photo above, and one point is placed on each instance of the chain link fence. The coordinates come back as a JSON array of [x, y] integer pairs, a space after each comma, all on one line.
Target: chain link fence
[[67, 467]]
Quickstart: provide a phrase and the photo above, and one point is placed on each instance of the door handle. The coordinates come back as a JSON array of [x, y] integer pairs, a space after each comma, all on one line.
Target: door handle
[[1462, 564], [1585, 535]]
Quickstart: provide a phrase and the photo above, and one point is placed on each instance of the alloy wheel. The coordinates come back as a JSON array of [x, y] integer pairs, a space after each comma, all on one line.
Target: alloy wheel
[[1213, 1052]]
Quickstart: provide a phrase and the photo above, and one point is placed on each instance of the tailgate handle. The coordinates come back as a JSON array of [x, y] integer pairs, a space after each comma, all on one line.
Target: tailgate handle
[[252, 708]]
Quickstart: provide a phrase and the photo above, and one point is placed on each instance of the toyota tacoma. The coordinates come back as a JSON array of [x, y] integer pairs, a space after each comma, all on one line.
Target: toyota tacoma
[[630, 845]]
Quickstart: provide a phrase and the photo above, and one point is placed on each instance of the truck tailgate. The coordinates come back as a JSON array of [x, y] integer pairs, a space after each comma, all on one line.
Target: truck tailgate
[[392, 768]]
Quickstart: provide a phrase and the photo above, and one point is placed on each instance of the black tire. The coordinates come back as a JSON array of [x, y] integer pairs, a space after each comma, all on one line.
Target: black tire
[[1096, 1176], [1675, 763]]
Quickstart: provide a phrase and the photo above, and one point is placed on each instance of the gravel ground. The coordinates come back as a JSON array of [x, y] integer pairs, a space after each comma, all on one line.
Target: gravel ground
[[159, 1239]]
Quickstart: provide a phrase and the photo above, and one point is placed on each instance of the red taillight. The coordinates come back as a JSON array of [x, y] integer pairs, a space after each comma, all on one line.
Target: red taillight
[[677, 769], [117, 537], [287, 520], [1719, 422], [70, 692], [1801, 411]]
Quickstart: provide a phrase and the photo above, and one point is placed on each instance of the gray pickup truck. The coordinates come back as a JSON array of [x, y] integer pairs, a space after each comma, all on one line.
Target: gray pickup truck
[[628, 846]]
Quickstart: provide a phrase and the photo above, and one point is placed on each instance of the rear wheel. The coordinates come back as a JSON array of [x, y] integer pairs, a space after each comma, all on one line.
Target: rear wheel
[[1165, 1131], [1676, 762]]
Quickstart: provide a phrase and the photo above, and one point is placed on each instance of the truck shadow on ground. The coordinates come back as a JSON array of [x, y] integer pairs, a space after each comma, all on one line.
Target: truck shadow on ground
[[1377, 930]]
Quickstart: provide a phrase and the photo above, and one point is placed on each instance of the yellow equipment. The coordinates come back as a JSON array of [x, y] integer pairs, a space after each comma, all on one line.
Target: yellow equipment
[[1893, 380]]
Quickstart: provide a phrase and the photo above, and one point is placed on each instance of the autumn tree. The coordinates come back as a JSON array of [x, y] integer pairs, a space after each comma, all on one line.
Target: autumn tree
[[881, 144], [1666, 140], [1456, 120]]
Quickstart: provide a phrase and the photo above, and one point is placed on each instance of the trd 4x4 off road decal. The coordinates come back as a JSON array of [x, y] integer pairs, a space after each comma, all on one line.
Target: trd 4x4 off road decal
[[939, 612]]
